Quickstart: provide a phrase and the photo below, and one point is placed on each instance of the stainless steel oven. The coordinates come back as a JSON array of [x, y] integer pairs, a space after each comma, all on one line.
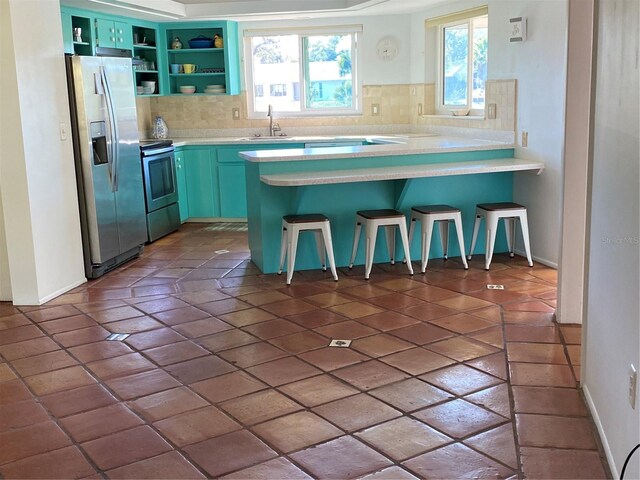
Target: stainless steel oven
[[160, 187]]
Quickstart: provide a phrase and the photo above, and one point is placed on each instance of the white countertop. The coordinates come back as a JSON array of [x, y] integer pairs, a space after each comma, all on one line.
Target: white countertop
[[401, 172], [184, 141], [386, 145]]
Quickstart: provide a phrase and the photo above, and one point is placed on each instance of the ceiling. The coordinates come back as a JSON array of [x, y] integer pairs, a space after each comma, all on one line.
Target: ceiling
[[254, 10]]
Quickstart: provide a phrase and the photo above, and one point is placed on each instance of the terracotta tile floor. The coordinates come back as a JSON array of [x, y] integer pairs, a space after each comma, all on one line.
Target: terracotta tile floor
[[228, 373]]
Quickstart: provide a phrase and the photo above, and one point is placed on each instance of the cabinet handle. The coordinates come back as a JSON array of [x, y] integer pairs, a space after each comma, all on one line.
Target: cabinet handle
[[112, 39], [179, 166], [120, 39], [111, 30], [119, 32]]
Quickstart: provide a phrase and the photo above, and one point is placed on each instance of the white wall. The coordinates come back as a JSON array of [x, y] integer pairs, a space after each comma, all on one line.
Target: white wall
[[39, 199], [373, 70], [539, 66], [612, 337]]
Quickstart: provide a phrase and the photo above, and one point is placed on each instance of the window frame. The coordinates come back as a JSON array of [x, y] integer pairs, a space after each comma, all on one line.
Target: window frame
[[441, 108], [355, 31]]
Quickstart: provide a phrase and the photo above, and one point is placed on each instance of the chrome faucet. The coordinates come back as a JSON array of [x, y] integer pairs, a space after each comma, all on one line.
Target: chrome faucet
[[273, 127]]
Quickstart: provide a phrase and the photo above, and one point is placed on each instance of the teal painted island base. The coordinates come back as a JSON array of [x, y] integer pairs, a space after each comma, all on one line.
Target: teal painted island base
[[311, 181]]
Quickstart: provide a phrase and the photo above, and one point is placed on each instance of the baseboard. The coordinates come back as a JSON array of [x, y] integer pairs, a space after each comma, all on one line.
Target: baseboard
[[603, 437], [543, 261], [215, 220], [62, 291]]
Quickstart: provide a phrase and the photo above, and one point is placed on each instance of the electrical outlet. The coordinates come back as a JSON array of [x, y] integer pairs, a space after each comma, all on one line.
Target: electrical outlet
[[525, 139], [491, 111], [235, 113], [375, 109], [633, 385]]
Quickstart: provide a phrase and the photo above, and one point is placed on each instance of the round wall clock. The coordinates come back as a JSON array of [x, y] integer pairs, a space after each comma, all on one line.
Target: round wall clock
[[387, 48]]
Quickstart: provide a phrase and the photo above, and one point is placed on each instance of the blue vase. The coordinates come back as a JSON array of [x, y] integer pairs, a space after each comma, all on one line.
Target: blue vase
[[160, 129]]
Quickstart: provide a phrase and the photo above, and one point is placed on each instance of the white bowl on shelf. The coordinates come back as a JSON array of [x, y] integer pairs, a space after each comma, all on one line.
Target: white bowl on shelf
[[188, 89], [139, 90], [148, 90]]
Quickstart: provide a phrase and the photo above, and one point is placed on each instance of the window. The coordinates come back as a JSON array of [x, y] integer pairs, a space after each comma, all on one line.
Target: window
[[303, 72], [462, 72]]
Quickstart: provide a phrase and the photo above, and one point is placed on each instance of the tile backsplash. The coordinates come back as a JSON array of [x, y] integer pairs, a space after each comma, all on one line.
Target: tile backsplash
[[397, 105]]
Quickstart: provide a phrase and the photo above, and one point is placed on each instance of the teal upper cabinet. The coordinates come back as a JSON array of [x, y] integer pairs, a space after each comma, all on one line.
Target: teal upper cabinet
[[146, 59], [113, 34], [77, 32], [199, 64]]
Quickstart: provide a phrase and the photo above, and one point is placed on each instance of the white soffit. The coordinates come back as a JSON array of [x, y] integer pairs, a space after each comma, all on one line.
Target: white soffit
[[251, 9]]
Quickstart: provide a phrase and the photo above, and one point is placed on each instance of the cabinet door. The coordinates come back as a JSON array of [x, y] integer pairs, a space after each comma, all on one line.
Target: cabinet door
[[181, 175], [105, 33], [233, 190], [201, 180], [113, 34], [124, 36]]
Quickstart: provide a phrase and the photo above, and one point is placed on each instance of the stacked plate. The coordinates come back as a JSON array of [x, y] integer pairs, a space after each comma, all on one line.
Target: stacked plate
[[215, 89]]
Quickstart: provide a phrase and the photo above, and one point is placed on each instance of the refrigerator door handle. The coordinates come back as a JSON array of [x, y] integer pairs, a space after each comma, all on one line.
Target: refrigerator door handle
[[113, 130]]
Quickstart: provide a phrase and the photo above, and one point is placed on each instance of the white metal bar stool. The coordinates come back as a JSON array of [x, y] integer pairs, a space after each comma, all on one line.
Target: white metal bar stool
[[442, 214], [493, 212], [372, 219], [292, 225]]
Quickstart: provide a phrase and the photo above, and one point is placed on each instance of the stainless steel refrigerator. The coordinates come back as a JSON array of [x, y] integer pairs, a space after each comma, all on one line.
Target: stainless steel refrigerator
[[107, 159]]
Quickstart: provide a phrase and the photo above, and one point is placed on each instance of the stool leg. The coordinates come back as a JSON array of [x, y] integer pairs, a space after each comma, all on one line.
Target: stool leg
[[427, 233], [444, 237], [412, 227], [320, 248], [370, 232], [292, 247], [326, 233], [457, 220], [524, 225], [405, 244], [510, 228], [283, 248], [491, 226], [390, 233], [476, 227], [356, 239]]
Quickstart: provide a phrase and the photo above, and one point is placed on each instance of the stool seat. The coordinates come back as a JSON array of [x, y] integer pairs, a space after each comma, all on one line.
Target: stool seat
[[428, 215], [383, 213], [435, 209], [492, 207], [492, 213], [307, 218], [372, 219], [292, 225]]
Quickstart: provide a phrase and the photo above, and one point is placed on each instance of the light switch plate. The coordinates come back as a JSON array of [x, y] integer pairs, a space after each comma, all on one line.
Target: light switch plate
[[375, 109]]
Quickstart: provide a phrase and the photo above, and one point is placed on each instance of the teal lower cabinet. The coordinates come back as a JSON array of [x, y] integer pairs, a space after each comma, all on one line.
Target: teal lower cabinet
[[233, 190], [181, 177], [232, 177], [201, 178]]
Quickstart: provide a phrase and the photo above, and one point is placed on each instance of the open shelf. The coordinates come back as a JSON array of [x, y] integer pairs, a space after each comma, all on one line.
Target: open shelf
[[196, 50]]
